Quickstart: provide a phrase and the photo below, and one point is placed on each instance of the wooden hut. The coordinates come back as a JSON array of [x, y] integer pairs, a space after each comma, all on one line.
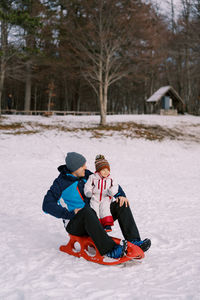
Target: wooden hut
[[165, 101]]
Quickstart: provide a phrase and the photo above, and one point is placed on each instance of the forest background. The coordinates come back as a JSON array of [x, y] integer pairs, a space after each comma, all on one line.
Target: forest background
[[98, 55]]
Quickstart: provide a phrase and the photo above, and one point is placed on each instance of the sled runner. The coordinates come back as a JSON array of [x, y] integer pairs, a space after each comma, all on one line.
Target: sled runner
[[85, 247]]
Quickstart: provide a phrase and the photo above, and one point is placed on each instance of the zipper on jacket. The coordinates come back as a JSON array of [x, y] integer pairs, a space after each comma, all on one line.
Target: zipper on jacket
[[101, 189]]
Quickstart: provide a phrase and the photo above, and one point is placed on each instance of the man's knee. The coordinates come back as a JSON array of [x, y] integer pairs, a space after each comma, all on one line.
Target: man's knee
[[116, 209]]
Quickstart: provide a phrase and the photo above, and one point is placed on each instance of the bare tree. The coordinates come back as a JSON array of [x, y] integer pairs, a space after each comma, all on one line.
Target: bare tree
[[102, 42], [32, 8], [3, 58], [5, 50], [186, 15]]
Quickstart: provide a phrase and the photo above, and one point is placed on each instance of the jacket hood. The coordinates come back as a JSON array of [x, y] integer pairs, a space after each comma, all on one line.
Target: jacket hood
[[63, 169]]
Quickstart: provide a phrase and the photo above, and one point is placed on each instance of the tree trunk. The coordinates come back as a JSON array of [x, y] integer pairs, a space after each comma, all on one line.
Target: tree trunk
[[186, 16], [101, 94], [103, 119], [105, 101], [27, 104], [4, 41], [49, 101], [66, 103], [102, 106], [2, 77], [35, 99]]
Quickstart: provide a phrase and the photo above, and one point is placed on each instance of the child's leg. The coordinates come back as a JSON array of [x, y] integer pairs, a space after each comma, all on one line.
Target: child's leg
[[95, 205], [104, 212]]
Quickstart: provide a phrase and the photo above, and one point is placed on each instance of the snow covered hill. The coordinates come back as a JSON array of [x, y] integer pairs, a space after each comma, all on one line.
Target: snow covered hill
[[156, 160]]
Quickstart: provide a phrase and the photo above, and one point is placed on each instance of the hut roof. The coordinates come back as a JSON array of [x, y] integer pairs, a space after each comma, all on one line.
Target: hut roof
[[162, 92]]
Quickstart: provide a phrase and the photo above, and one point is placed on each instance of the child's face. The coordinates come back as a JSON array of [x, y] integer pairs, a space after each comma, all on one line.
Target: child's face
[[105, 172]]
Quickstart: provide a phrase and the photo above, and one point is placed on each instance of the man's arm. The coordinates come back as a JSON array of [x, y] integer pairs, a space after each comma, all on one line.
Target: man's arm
[[120, 192], [51, 206], [121, 197]]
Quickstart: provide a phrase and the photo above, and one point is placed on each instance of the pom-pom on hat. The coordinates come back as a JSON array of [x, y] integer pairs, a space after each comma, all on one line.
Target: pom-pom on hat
[[101, 163]]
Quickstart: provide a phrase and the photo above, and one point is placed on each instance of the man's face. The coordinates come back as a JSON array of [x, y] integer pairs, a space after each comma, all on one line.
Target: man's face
[[80, 172]]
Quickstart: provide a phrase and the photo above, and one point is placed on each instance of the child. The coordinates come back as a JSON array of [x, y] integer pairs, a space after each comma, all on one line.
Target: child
[[100, 189]]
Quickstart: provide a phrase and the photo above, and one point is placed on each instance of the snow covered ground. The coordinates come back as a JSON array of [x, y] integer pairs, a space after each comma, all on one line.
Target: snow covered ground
[[161, 180]]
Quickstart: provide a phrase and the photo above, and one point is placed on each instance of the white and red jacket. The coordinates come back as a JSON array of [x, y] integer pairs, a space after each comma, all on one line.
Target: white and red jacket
[[101, 191]]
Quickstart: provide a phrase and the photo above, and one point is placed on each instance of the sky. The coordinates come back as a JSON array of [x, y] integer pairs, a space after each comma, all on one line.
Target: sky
[[165, 5]]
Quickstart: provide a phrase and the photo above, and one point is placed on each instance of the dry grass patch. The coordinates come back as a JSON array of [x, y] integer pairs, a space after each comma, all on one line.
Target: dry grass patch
[[23, 132], [12, 126], [16, 129], [130, 130], [135, 130]]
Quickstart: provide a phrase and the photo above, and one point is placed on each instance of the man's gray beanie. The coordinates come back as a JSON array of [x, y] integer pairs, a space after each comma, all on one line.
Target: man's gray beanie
[[74, 161]]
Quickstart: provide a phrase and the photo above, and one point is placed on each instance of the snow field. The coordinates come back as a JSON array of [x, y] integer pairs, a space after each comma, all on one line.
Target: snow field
[[161, 180]]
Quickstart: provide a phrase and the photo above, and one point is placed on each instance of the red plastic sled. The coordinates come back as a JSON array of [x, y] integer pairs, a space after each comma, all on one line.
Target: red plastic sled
[[86, 245]]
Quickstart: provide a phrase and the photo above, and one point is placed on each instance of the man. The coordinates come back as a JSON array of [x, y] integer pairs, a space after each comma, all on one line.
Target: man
[[9, 102], [65, 199]]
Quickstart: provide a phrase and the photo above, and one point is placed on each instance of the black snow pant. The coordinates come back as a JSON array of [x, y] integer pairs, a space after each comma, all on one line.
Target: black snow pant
[[86, 222]]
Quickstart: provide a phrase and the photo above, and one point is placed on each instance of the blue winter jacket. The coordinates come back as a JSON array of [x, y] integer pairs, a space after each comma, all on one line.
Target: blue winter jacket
[[67, 193]]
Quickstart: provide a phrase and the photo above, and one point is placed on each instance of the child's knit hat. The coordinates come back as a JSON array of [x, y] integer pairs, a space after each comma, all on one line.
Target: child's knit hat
[[101, 163]]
